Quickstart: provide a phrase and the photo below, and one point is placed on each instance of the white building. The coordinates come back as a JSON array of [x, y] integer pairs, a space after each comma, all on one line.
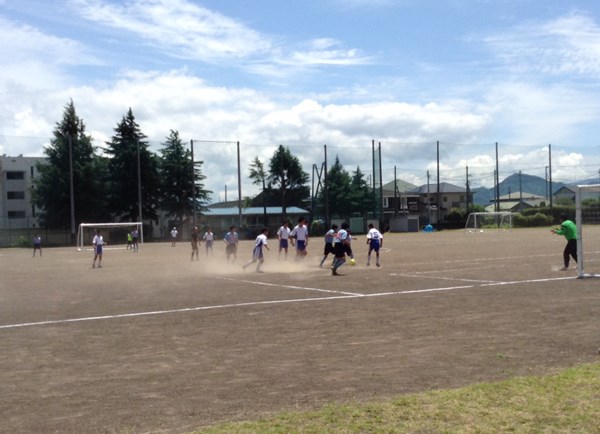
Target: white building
[[16, 177]]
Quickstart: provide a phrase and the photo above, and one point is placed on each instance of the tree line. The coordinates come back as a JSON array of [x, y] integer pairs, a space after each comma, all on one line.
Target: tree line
[[106, 187]]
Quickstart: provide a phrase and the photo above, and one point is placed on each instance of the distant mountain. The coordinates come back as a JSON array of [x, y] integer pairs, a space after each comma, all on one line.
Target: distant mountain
[[512, 184]]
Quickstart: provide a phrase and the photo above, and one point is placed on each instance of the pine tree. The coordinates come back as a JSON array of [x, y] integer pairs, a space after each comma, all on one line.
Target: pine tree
[[286, 174], [51, 188], [339, 190], [177, 189], [123, 173]]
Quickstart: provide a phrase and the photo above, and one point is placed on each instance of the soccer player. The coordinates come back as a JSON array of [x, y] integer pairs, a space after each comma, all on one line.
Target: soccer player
[[135, 237], [257, 252], [569, 230], [97, 242], [283, 235], [173, 236], [195, 242], [231, 243], [300, 234], [129, 241], [37, 244], [209, 237], [375, 241], [329, 237], [342, 247]]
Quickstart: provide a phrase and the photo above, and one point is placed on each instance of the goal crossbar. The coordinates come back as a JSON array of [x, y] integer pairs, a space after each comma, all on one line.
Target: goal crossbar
[[82, 227], [488, 220]]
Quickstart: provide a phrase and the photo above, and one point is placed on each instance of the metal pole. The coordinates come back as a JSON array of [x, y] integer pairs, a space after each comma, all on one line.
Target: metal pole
[[326, 190], [193, 183], [139, 174], [71, 189], [439, 195], [550, 174], [381, 216], [497, 181], [239, 185]]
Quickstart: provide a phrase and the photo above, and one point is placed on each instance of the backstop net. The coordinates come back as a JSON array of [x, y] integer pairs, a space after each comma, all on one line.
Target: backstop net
[[114, 234], [587, 216], [488, 221]]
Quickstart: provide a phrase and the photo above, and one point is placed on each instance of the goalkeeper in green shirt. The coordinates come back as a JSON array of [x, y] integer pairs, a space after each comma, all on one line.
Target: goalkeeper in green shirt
[[569, 230]]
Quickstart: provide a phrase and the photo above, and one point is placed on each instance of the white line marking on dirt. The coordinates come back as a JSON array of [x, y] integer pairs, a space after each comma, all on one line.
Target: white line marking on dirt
[[278, 285], [268, 302], [421, 275]]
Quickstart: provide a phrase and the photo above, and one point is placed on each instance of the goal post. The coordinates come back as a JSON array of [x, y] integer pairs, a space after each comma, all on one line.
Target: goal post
[[114, 234], [482, 221], [587, 218]]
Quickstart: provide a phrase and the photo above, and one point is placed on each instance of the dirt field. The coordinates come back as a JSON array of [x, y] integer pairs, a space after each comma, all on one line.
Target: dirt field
[[153, 342]]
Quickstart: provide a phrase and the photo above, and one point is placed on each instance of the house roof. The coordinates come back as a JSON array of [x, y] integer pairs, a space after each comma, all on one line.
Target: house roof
[[252, 210], [402, 186], [445, 187]]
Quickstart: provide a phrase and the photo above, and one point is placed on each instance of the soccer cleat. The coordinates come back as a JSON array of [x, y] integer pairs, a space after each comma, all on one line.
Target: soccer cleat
[[378, 264]]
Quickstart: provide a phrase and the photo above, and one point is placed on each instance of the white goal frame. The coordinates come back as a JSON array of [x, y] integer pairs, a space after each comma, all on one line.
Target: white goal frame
[[81, 231], [500, 214], [579, 192]]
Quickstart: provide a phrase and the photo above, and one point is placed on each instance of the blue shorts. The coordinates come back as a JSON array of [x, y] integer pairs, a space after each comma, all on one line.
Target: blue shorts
[[283, 244], [374, 245], [301, 245], [98, 249]]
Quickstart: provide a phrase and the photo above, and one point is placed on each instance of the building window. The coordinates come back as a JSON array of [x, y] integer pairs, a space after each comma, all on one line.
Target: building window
[[15, 175], [15, 195], [386, 202], [16, 214]]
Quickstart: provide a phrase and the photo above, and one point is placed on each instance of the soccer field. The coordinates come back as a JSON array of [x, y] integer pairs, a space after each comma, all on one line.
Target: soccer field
[[155, 342]]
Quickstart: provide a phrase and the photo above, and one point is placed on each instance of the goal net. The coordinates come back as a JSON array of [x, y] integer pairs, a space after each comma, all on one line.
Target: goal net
[[587, 216], [485, 221], [114, 234]]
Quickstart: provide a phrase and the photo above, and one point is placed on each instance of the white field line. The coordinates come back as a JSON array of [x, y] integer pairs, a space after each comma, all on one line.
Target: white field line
[[424, 276], [269, 302]]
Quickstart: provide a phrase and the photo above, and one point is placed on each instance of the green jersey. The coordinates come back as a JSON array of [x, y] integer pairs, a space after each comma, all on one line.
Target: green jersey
[[568, 229]]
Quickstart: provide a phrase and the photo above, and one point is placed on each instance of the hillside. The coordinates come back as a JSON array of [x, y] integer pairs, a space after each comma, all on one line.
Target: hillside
[[529, 184]]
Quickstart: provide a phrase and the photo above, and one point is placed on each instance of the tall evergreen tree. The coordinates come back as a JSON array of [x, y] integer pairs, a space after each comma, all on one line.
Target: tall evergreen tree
[[177, 187], [361, 197], [258, 175], [123, 172], [339, 186], [286, 174], [51, 190]]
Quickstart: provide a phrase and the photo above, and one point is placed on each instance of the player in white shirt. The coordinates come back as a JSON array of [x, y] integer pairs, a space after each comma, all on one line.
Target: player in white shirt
[[342, 247], [300, 235], [173, 236], [257, 252], [283, 235], [208, 238], [97, 242], [375, 241]]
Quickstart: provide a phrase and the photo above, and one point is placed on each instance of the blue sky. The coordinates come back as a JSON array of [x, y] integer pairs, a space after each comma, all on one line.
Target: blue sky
[[406, 73]]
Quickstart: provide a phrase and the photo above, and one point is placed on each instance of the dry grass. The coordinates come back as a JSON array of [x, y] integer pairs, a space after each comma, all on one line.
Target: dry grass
[[568, 402]]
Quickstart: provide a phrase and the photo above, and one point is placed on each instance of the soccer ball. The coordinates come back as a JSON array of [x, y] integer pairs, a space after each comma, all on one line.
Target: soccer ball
[[352, 261]]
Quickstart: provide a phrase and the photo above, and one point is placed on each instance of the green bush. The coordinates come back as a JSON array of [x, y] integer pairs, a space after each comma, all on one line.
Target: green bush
[[22, 242], [528, 221]]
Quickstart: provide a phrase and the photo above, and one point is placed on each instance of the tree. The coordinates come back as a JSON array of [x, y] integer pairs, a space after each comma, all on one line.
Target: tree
[[259, 177], [51, 190], [123, 172], [339, 185], [361, 198], [286, 174], [177, 188]]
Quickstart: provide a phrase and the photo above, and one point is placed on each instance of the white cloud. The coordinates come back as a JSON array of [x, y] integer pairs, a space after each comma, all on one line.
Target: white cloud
[[564, 45], [178, 27]]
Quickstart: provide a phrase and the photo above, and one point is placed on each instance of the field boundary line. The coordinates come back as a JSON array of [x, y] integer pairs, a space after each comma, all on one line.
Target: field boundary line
[[269, 302]]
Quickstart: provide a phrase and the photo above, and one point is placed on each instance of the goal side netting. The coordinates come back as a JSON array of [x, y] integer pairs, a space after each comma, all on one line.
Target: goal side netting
[[587, 216], [114, 234], [488, 221]]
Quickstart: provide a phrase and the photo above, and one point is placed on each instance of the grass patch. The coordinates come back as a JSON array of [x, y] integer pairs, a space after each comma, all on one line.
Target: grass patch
[[568, 402]]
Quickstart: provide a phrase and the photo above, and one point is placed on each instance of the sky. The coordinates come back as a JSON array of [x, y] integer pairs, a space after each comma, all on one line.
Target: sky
[[326, 78]]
